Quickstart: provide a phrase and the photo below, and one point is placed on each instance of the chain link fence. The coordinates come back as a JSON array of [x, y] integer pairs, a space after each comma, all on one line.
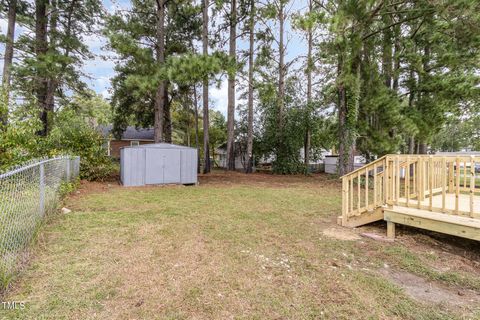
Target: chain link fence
[[27, 194]]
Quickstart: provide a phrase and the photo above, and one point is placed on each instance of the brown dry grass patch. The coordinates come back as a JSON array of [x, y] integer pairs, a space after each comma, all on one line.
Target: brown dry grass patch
[[234, 247]]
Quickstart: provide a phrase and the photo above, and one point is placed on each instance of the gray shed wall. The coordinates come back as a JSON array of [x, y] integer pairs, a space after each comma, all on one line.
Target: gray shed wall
[[189, 163], [158, 164]]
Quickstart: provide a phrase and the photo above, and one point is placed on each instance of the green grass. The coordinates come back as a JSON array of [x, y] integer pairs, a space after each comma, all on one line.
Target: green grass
[[246, 250]]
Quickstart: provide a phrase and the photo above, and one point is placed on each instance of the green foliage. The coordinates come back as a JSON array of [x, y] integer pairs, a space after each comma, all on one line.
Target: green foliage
[[69, 23], [285, 150], [189, 69], [417, 65], [217, 131], [92, 107], [18, 140], [71, 134], [132, 37], [68, 187]]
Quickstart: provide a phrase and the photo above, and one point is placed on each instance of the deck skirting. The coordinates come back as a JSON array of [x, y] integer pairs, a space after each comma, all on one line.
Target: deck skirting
[[459, 226]]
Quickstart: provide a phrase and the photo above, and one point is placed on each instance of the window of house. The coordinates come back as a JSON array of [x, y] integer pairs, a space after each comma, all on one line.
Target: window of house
[[134, 143]]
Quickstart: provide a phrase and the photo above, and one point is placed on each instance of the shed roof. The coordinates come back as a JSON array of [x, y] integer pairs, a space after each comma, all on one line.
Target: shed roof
[[160, 146]]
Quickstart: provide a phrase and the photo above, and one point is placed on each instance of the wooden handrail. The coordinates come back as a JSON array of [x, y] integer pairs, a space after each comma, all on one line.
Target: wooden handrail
[[363, 168]]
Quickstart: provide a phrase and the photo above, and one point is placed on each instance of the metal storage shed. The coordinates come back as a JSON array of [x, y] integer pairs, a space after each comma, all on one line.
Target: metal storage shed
[[159, 163]]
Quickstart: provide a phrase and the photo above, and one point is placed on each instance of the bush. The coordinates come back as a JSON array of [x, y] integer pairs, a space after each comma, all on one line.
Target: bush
[[72, 135], [18, 140]]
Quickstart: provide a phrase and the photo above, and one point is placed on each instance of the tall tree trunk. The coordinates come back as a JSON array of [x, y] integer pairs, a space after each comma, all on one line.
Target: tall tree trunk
[[189, 143], [7, 64], [206, 149], [343, 147], [249, 168], [281, 152], [396, 57], [411, 145], [52, 83], [231, 89], [167, 124], [425, 98], [197, 143], [281, 68], [41, 47], [347, 109], [159, 119], [387, 52], [306, 146]]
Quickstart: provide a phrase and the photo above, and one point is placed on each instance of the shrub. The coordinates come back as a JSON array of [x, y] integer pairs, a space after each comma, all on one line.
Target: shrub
[[72, 135]]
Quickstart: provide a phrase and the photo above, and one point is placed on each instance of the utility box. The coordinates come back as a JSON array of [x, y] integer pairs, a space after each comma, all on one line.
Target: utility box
[[159, 163]]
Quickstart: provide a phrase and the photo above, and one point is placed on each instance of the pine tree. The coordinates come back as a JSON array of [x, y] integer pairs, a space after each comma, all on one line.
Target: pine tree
[[206, 148], [231, 87], [251, 44]]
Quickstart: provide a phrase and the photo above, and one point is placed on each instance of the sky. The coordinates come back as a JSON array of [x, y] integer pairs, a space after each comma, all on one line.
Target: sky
[[100, 70]]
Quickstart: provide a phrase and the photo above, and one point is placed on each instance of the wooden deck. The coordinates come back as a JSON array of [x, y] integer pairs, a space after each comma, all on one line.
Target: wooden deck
[[463, 203], [437, 193]]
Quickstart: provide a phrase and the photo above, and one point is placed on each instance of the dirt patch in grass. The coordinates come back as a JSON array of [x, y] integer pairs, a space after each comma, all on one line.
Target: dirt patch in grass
[[246, 247], [341, 234], [428, 291]]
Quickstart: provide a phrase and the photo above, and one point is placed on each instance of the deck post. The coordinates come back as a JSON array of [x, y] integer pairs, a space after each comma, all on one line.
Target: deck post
[[366, 188], [444, 183], [390, 230], [472, 185], [387, 179], [407, 180], [359, 196], [375, 187], [431, 174], [397, 175], [421, 180], [457, 184], [344, 200]]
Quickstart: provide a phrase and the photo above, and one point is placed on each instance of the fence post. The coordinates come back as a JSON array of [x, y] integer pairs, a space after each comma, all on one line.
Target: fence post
[[68, 169], [42, 189]]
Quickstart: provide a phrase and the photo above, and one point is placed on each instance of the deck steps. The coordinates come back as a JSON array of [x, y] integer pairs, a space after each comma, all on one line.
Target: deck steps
[[460, 226]]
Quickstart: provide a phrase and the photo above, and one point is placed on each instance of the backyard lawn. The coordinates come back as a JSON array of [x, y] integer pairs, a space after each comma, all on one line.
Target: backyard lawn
[[237, 247]]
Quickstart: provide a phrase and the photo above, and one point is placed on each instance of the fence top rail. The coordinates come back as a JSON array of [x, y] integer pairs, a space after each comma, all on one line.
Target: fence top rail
[[33, 164]]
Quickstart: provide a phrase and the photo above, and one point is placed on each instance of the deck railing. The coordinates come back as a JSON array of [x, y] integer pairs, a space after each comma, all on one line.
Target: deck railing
[[446, 184]]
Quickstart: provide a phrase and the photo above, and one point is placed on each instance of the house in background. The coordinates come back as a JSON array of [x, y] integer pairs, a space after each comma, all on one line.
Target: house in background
[[220, 157], [130, 137]]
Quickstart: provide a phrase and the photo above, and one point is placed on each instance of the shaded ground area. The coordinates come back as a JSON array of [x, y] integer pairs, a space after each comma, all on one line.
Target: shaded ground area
[[237, 246]]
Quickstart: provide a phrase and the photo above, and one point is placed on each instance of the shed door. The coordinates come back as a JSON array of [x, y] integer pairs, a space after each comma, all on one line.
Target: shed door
[[162, 166]]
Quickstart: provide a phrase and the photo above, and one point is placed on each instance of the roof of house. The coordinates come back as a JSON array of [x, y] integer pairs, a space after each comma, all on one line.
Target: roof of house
[[131, 133]]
